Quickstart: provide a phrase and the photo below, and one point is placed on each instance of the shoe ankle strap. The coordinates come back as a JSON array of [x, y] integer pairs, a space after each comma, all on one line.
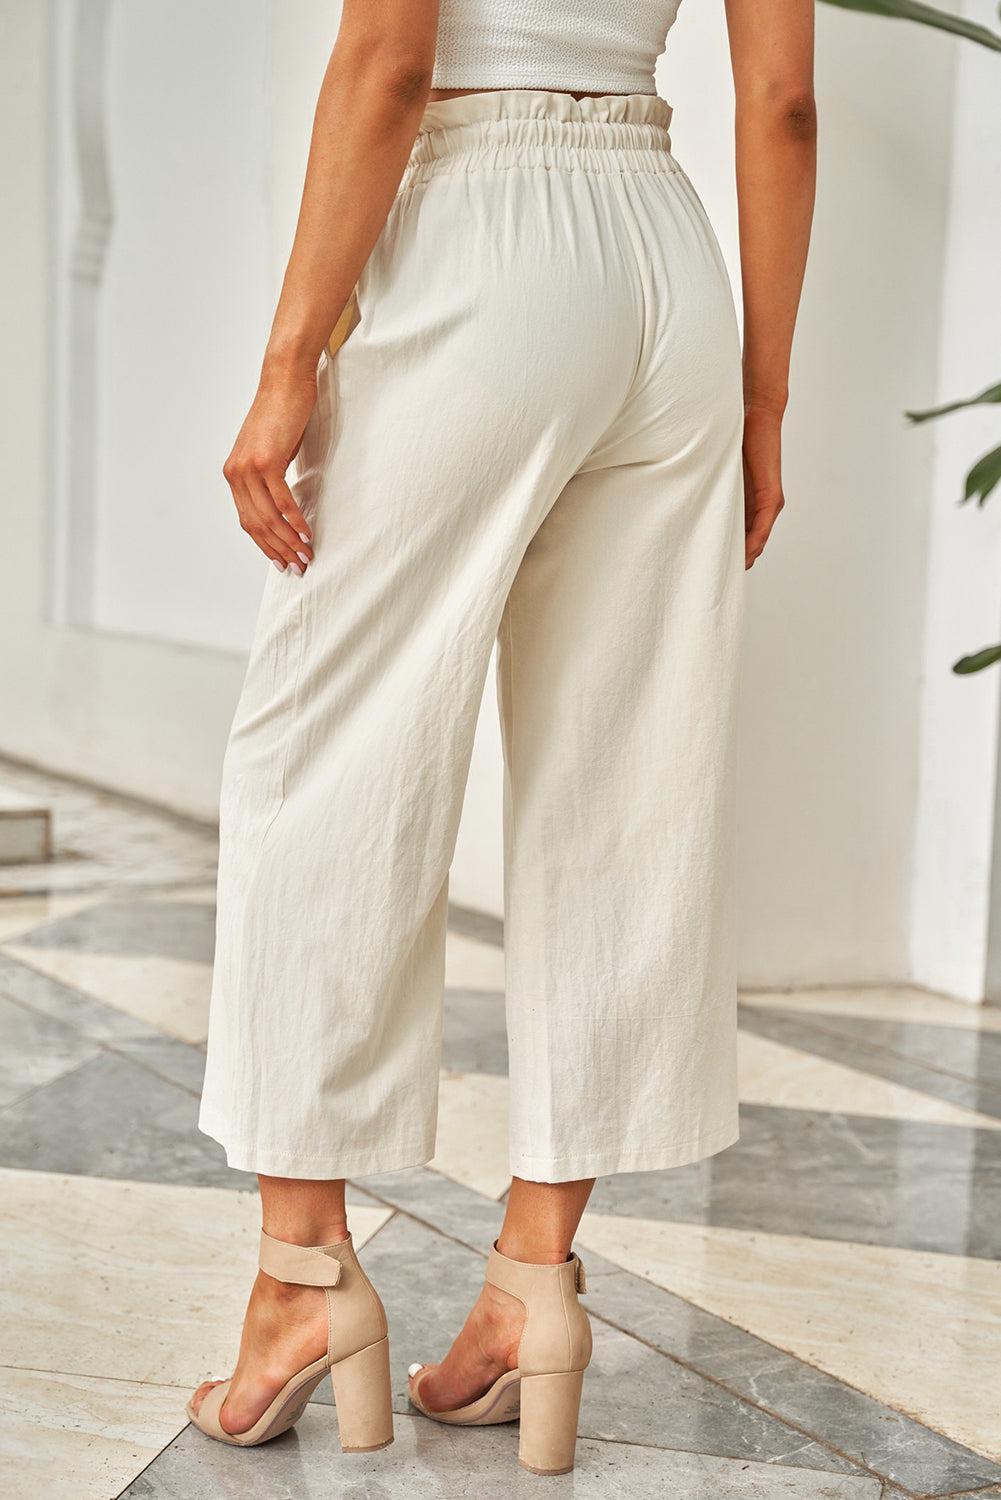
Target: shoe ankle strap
[[302, 1265], [522, 1278]]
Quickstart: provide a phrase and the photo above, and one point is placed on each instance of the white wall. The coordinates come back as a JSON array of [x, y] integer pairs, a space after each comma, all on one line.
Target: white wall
[[144, 703], [832, 683], [144, 716], [833, 712], [185, 295], [959, 727]]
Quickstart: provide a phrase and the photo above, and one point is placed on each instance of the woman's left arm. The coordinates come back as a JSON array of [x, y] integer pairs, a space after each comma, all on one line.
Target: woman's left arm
[[367, 116], [771, 48]]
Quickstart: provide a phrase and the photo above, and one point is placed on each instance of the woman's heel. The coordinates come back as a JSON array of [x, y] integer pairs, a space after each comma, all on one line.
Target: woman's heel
[[364, 1399], [549, 1409]]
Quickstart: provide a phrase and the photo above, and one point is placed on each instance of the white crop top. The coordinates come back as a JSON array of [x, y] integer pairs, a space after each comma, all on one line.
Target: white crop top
[[590, 46]]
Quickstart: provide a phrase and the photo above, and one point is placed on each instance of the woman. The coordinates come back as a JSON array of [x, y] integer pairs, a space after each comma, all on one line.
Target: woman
[[527, 425]]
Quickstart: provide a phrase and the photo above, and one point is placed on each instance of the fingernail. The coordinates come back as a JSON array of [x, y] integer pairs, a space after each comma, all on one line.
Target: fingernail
[[305, 537], [303, 556], [296, 569], [279, 565]]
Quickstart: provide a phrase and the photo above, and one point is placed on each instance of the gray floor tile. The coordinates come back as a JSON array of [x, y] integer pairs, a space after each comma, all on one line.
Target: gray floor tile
[[102, 1023], [428, 1284], [36, 1050], [176, 1061], [474, 1033], [954, 1063], [454, 1210], [113, 1118], [843, 1177], [853, 1424], [632, 1393], [479, 925], [94, 1022], [441, 1463], [921, 1461], [167, 929]]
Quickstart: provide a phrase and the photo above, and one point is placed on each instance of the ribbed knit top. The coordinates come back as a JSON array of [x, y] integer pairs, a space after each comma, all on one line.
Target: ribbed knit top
[[588, 46]]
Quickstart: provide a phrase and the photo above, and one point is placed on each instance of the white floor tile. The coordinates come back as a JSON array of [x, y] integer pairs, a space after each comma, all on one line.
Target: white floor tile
[[772, 1073], [132, 1280], [471, 965], [472, 1132], [76, 1437], [889, 1004], [202, 894]]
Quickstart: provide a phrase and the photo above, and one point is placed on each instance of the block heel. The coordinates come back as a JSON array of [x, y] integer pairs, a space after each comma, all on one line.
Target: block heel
[[363, 1396], [550, 1405]]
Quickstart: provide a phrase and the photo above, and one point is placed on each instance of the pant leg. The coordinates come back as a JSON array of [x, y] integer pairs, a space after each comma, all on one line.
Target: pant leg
[[617, 677], [448, 422]]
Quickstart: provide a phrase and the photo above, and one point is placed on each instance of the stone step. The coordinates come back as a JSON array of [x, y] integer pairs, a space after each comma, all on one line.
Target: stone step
[[25, 829]]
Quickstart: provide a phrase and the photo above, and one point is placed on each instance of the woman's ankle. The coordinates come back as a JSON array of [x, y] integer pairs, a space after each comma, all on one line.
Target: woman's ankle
[[530, 1250], [541, 1220], [309, 1232], [303, 1213]]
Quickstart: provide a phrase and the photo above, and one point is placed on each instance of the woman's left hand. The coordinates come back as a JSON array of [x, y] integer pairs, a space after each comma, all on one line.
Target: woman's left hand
[[763, 497], [255, 470]]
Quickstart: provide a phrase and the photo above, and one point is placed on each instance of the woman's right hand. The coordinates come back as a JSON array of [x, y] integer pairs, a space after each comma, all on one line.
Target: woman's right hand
[[255, 470]]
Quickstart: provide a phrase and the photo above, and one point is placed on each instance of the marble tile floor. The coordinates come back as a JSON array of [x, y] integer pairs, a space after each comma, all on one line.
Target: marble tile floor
[[103, 842], [814, 1313]]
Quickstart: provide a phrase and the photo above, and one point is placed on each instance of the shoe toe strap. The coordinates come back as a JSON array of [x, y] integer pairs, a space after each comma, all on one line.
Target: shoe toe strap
[[300, 1265], [208, 1416]]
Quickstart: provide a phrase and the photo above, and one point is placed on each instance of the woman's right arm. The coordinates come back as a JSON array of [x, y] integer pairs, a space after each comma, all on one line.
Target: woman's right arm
[[771, 47], [369, 109]]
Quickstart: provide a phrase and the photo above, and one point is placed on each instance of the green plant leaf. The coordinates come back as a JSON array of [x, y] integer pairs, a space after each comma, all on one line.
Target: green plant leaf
[[985, 397], [984, 475], [978, 661], [925, 15]]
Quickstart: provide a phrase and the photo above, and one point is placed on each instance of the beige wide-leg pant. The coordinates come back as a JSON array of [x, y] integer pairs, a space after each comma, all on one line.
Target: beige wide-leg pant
[[531, 435]]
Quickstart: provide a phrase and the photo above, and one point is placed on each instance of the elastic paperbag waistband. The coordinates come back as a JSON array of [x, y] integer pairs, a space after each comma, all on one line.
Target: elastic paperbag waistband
[[505, 127]]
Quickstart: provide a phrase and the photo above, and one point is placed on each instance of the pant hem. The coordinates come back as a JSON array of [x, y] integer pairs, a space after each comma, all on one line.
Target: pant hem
[[610, 1163], [243, 1157], [332, 1165]]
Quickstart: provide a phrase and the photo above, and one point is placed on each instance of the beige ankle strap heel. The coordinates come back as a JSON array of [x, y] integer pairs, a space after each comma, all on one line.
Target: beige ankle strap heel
[[554, 1351], [357, 1356]]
